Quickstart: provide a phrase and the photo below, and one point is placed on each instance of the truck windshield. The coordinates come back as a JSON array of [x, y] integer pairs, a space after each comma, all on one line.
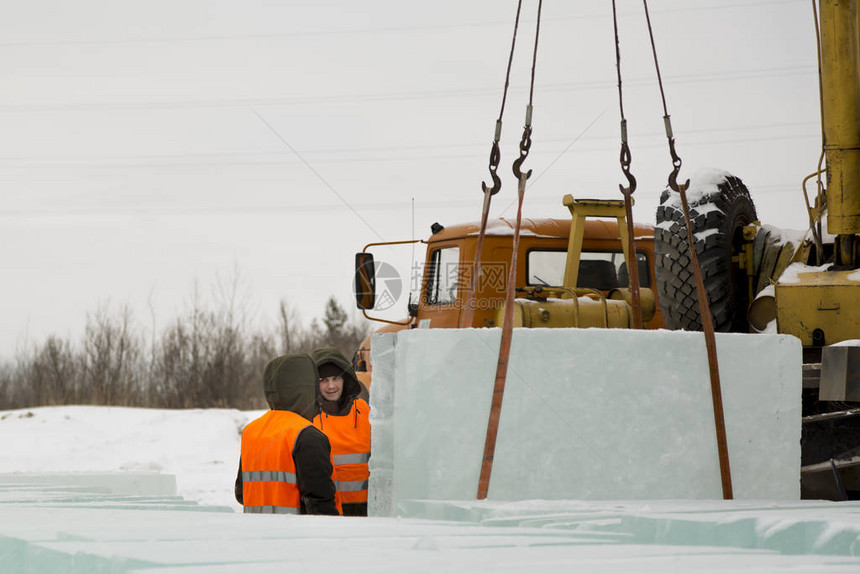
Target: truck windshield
[[597, 269], [443, 276]]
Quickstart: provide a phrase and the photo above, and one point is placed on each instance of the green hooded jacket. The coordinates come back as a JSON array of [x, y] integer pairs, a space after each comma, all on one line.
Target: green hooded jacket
[[291, 384], [352, 387]]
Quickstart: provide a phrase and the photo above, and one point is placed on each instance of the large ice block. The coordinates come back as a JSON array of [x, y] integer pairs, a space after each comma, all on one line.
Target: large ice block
[[587, 414], [381, 483]]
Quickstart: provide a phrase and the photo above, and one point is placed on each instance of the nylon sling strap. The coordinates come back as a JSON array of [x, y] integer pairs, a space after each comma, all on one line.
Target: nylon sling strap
[[507, 325], [704, 309]]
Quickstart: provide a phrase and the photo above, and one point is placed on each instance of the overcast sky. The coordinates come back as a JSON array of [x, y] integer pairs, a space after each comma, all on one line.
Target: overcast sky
[[149, 147]]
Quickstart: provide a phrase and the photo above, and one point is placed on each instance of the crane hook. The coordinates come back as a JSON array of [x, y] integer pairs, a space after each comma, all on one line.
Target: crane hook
[[676, 163], [495, 158], [625, 167], [525, 145]]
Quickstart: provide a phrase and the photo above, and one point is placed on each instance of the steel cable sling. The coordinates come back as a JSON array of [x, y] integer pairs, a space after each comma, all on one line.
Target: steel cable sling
[[704, 309], [495, 159], [627, 192], [507, 324]]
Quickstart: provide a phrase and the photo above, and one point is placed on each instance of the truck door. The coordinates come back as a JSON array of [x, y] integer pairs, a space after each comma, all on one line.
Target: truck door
[[444, 283]]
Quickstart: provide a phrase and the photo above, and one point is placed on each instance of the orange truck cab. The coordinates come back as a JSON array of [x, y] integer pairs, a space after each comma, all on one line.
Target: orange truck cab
[[541, 261]]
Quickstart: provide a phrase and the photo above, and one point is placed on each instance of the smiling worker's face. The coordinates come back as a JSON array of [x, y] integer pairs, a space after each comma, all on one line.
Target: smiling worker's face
[[331, 387]]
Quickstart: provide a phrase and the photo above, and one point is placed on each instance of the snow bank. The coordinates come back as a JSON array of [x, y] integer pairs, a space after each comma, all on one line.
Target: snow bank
[[199, 446]]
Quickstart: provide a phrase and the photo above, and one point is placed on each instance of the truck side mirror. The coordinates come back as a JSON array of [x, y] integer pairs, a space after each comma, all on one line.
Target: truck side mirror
[[365, 281], [412, 307]]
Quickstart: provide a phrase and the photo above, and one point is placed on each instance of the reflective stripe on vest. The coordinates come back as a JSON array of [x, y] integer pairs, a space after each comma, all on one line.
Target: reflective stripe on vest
[[350, 446], [269, 509], [269, 475], [351, 485], [357, 458]]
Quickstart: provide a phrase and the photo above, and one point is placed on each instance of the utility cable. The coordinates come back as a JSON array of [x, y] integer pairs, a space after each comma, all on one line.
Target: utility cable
[[319, 176]]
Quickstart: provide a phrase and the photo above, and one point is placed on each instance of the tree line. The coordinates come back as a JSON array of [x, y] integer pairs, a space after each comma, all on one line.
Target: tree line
[[208, 357]]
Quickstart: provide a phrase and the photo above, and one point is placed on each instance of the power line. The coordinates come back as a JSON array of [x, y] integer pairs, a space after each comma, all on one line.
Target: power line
[[184, 211], [217, 158], [272, 158], [279, 208], [318, 175], [361, 30], [758, 74]]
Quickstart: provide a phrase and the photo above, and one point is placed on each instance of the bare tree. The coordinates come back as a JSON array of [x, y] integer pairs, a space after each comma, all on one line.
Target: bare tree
[[209, 356], [111, 351]]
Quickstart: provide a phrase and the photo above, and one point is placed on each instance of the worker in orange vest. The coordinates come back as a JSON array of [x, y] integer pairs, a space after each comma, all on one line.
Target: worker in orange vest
[[345, 419], [286, 465]]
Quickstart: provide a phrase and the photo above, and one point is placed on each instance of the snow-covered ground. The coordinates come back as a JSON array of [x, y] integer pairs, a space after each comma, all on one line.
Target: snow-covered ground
[[200, 446], [80, 493]]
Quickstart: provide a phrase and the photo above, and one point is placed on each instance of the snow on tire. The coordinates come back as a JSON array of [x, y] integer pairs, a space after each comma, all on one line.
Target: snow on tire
[[718, 212]]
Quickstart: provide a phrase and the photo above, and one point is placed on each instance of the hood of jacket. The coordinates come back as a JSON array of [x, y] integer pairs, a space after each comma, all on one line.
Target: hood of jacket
[[352, 388], [291, 383]]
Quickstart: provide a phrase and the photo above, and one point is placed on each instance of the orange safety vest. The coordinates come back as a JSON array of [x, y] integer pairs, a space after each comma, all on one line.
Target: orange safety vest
[[350, 448], [268, 469]]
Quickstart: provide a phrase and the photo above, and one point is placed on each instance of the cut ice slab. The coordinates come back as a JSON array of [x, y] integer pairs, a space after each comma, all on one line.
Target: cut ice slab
[[587, 414]]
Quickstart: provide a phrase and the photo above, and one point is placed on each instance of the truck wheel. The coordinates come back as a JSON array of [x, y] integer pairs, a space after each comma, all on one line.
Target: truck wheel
[[718, 218]]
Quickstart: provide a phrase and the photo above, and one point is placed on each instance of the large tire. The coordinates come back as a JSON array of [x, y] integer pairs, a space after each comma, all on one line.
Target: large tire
[[717, 217]]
